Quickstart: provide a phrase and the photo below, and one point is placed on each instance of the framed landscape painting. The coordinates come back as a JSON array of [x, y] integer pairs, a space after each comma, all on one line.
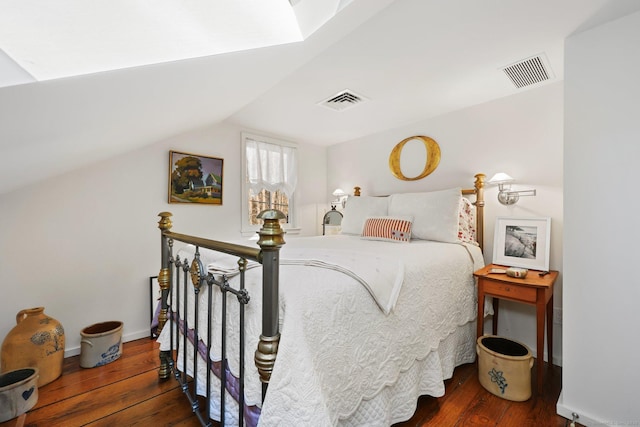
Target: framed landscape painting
[[194, 178], [522, 242]]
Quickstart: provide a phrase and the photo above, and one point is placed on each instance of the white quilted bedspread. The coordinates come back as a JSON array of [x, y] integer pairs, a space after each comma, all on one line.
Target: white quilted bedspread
[[381, 275], [338, 349]]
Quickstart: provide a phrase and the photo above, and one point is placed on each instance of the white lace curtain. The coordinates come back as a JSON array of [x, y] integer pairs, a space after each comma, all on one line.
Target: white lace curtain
[[271, 167]]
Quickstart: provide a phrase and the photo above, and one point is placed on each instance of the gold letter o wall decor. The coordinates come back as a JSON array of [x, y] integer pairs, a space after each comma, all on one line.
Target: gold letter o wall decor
[[431, 163]]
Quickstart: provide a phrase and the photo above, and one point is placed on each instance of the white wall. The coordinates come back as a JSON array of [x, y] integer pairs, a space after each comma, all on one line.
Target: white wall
[[83, 245], [602, 290], [521, 135]]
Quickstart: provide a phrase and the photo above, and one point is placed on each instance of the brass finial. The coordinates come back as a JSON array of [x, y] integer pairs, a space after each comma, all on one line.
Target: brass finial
[[479, 185], [165, 223], [271, 234]]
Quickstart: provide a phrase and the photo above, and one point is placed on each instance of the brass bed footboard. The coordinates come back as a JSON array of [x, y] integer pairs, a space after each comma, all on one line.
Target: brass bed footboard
[[271, 239]]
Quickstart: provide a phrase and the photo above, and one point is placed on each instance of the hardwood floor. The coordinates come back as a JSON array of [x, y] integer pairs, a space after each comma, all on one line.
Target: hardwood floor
[[467, 403], [127, 393]]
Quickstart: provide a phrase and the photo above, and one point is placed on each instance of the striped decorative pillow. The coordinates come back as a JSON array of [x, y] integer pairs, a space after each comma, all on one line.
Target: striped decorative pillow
[[389, 228]]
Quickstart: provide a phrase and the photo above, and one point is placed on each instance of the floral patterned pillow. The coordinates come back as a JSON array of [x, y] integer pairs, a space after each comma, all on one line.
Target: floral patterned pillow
[[467, 222]]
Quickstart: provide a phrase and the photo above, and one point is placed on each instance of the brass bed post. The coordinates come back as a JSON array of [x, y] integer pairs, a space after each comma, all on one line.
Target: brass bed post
[[270, 241], [479, 186], [164, 280]]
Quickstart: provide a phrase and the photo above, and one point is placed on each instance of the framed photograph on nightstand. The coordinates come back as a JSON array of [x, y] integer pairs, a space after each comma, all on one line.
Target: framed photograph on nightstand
[[522, 242]]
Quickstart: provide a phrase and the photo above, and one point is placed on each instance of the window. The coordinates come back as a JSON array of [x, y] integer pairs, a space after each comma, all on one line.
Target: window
[[266, 200], [270, 177]]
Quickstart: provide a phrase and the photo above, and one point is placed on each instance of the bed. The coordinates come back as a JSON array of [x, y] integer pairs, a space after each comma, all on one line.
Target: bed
[[350, 329]]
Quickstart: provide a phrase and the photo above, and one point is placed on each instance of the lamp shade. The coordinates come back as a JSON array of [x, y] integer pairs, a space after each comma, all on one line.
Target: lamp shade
[[338, 193], [500, 178]]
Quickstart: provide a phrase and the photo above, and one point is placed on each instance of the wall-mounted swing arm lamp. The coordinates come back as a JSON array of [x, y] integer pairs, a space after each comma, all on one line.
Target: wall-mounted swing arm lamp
[[506, 195], [340, 198]]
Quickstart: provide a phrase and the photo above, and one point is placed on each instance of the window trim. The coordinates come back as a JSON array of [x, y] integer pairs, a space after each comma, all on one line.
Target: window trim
[[245, 228]]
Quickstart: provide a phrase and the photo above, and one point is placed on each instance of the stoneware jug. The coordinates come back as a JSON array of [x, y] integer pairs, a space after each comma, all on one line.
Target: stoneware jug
[[37, 341]]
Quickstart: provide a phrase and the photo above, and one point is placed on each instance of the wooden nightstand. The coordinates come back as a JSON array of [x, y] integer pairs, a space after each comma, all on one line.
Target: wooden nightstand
[[533, 289]]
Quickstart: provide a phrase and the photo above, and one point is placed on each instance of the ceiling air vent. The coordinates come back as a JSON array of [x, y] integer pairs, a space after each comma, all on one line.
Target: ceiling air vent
[[528, 72], [343, 100]]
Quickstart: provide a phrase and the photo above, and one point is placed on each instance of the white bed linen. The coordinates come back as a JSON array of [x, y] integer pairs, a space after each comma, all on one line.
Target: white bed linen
[[339, 353], [381, 275]]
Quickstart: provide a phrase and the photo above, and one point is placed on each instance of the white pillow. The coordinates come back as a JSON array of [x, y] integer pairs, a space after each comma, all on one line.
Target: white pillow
[[435, 214], [358, 209]]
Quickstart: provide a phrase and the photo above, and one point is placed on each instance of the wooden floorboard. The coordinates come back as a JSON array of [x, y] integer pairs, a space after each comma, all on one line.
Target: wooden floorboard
[[127, 392], [167, 407]]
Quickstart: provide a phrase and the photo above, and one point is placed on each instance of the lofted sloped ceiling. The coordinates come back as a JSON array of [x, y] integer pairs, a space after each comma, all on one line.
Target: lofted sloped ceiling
[[411, 59]]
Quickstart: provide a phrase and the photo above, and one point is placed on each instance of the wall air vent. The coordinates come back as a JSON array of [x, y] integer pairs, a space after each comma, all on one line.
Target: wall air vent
[[529, 71], [343, 100]]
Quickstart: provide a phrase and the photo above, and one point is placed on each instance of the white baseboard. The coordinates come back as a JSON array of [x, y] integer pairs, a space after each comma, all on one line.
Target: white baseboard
[[583, 419]]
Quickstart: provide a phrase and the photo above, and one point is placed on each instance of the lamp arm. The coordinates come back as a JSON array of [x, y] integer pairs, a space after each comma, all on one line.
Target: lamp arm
[[521, 192]]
